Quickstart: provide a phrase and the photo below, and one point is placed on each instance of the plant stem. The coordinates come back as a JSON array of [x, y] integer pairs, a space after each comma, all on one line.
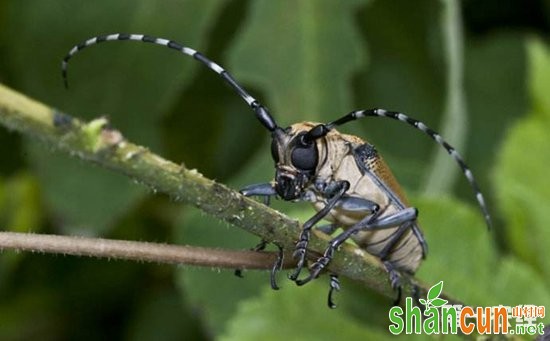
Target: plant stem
[[443, 173], [139, 251]]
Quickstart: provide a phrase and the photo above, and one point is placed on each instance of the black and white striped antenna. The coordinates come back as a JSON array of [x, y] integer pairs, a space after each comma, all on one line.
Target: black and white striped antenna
[[261, 112]]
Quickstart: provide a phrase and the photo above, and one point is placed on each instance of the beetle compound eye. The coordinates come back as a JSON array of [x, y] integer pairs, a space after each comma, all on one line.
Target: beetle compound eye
[[275, 150], [304, 158]]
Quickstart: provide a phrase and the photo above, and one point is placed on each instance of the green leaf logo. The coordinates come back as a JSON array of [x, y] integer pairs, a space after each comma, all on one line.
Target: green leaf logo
[[435, 291], [438, 302], [433, 297]]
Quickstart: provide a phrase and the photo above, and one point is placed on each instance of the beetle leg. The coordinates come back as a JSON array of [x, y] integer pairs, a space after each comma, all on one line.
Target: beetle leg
[[301, 245], [403, 219], [334, 285], [260, 247], [395, 280], [394, 274], [395, 238], [418, 234], [265, 190], [328, 229], [276, 267], [356, 204], [371, 222], [323, 261], [404, 216], [416, 297]]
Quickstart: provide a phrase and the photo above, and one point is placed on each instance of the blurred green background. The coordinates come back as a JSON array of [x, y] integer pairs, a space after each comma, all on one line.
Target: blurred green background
[[306, 60]]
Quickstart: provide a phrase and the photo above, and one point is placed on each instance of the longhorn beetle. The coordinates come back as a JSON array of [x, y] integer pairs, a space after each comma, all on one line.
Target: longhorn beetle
[[343, 176]]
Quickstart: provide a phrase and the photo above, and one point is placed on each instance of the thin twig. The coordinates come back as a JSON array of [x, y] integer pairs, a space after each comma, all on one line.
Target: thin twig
[[139, 251]]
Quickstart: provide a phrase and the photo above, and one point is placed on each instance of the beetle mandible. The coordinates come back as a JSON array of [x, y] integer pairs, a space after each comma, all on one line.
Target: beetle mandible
[[343, 176]]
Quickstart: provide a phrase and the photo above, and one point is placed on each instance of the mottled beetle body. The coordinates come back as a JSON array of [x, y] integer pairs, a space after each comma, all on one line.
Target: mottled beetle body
[[343, 176]]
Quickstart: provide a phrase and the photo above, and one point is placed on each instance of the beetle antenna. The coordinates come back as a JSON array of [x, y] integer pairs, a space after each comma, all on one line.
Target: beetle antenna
[[323, 129], [261, 112]]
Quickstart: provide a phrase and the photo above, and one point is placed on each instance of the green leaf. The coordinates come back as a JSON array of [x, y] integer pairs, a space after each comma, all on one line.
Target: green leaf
[[303, 65], [20, 205], [516, 282], [497, 97], [521, 173], [295, 313], [405, 73], [215, 292], [87, 199], [460, 248], [539, 82], [462, 255], [21, 210], [435, 291], [162, 310], [423, 301], [131, 82], [521, 195]]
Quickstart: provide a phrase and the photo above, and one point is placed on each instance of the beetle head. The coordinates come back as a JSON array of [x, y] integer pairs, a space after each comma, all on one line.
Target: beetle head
[[296, 158]]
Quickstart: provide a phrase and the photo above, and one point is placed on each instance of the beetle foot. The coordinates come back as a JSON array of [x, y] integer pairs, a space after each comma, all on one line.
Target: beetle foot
[[259, 247], [395, 280], [300, 254], [315, 270], [276, 267]]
